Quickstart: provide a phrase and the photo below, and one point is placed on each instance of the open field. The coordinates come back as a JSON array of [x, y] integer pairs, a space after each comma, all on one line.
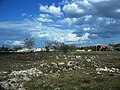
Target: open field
[[58, 71]]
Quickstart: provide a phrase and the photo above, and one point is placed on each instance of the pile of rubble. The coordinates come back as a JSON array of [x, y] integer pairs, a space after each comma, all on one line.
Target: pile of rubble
[[16, 78], [106, 69]]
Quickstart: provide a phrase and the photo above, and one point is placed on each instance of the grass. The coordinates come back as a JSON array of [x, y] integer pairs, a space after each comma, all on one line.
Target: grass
[[73, 82], [85, 78]]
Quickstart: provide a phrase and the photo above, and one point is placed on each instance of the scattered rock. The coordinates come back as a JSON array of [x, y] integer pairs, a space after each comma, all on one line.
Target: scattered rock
[[88, 60], [71, 63], [17, 77], [112, 70], [61, 63], [57, 57]]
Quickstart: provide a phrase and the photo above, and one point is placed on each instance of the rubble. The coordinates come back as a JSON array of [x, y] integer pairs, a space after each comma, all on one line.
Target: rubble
[[107, 69], [71, 63], [54, 64], [16, 77], [78, 57], [61, 63], [3, 72], [57, 57], [64, 56], [88, 60]]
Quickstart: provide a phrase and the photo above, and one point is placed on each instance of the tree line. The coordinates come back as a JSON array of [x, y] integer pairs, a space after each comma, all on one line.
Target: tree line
[[29, 43]]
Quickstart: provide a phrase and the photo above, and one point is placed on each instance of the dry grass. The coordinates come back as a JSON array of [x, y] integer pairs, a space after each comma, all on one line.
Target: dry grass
[[83, 78]]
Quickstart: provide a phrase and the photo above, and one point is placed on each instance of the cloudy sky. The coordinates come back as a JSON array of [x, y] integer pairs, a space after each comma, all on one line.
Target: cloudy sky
[[83, 22]]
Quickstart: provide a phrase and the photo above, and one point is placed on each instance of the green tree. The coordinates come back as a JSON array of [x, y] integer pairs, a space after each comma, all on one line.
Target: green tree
[[29, 43], [72, 47], [64, 48], [4, 48], [117, 45], [15, 48], [51, 44], [111, 44]]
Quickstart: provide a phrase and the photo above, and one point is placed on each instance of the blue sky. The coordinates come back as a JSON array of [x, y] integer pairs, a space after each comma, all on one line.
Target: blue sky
[[82, 22]]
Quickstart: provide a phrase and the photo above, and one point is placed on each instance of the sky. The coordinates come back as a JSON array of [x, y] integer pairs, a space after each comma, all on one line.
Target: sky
[[80, 22]]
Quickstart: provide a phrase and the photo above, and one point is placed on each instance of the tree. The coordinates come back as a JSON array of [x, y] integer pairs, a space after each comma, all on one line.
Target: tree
[[72, 47], [64, 48], [111, 44], [47, 48], [51, 45], [15, 48], [4, 48], [117, 45], [29, 43]]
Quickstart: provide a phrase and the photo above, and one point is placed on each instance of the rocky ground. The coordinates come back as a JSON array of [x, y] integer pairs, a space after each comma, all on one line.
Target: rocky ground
[[58, 71]]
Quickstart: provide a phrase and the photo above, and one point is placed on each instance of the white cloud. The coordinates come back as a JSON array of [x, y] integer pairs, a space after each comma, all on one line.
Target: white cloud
[[117, 10], [94, 35], [68, 21], [89, 1], [88, 17], [40, 34], [45, 16], [97, 1], [72, 9], [44, 19], [24, 14], [76, 21], [64, 2], [105, 8], [55, 34], [81, 15], [86, 29], [17, 43], [72, 37], [51, 9], [17, 24], [14, 43], [85, 37]]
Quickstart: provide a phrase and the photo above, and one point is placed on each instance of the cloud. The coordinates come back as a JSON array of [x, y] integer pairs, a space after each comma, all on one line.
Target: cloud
[[45, 16], [51, 33], [24, 14], [68, 21], [16, 24], [72, 10], [17, 43], [44, 20], [105, 8], [98, 27], [14, 43], [76, 21], [72, 37], [85, 37], [98, 1], [15, 30], [57, 34], [51, 9], [79, 21]]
